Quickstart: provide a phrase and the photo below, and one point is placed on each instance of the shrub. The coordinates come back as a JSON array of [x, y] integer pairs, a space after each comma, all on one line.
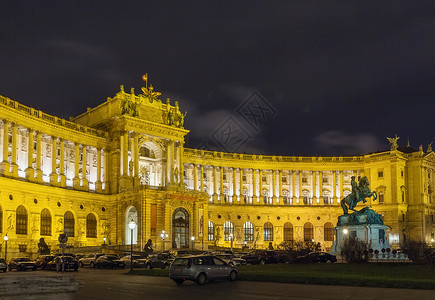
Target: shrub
[[299, 248], [354, 251], [419, 252]]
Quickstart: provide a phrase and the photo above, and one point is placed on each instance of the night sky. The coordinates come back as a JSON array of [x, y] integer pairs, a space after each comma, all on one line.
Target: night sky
[[329, 77]]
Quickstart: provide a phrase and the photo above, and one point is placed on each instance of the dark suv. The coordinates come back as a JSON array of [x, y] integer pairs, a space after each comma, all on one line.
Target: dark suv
[[200, 268], [261, 257], [21, 264], [160, 260]]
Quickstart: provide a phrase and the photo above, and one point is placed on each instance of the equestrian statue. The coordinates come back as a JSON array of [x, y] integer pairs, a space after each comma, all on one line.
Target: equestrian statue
[[359, 193]]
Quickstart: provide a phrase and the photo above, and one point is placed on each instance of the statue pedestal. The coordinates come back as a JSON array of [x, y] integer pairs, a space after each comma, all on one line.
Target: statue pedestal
[[364, 225]]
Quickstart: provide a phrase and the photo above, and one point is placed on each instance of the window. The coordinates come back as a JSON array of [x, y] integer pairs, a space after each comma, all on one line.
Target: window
[[228, 230], [244, 178], [21, 220], [68, 224], [308, 232], [248, 232], [304, 179], [381, 174], [268, 232], [45, 222], [284, 179], [328, 229], [381, 197], [325, 179], [403, 197], [210, 231], [288, 232], [91, 226], [224, 176]]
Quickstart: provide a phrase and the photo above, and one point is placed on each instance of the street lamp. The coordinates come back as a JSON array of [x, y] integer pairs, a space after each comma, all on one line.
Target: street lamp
[[163, 235], [104, 240], [6, 238], [345, 231], [193, 241], [131, 225], [231, 239]]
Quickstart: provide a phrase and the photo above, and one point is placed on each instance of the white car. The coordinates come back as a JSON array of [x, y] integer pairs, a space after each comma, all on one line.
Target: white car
[[231, 260]]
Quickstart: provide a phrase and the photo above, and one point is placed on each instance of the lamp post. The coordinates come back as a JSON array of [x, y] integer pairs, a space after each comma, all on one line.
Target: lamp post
[[6, 238], [104, 240], [131, 225], [163, 235], [193, 241]]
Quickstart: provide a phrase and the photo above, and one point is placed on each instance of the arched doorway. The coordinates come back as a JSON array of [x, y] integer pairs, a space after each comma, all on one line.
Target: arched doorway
[[131, 214], [180, 228]]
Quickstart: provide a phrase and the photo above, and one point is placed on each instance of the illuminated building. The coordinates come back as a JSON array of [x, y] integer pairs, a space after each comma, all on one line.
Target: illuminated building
[[125, 160]]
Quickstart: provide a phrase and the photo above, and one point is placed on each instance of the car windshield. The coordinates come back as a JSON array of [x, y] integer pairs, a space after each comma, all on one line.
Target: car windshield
[[181, 262], [23, 259], [112, 257]]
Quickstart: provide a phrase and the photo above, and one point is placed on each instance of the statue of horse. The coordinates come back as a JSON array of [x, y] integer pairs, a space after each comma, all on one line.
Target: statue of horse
[[363, 192]]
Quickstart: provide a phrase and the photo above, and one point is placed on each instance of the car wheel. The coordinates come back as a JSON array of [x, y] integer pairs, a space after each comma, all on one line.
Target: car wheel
[[178, 281], [201, 279], [233, 276], [328, 261], [92, 264]]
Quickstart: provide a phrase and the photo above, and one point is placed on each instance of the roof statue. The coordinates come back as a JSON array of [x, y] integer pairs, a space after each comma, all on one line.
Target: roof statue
[[429, 147], [151, 94], [393, 142]]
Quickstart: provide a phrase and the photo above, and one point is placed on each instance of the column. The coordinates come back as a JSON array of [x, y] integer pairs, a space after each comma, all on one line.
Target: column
[[201, 177], [260, 191], [172, 163], [301, 198], [241, 185], [62, 163], [53, 174], [181, 164], [98, 183], [76, 179], [321, 187], [85, 182], [30, 172], [125, 154], [215, 196], [313, 175], [14, 151], [340, 182], [281, 199], [234, 185], [221, 173], [38, 157], [294, 188], [254, 187], [135, 149], [4, 165], [273, 187], [195, 177], [334, 187]]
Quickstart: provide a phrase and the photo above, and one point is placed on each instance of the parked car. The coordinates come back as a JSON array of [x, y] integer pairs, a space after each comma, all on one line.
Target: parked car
[[159, 260], [261, 257], [179, 253], [109, 261], [317, 257], [232, 260], [21, 264], [89, 260], [67, 262], [3, 265], [41, 261], [200, 269], [138, 261]]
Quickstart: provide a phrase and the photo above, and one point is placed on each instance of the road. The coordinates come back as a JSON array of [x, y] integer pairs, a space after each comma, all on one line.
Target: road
[[115, 284]]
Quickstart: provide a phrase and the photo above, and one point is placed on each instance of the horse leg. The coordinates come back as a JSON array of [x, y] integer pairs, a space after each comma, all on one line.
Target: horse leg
[[343, 206]]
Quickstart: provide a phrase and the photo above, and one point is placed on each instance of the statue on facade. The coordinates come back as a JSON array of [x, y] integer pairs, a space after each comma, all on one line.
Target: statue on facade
[[393, 142], [148, 248], [43, 247], [361, 192]]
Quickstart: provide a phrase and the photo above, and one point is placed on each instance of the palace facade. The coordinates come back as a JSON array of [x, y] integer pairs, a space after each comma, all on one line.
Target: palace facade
[[125, 160]]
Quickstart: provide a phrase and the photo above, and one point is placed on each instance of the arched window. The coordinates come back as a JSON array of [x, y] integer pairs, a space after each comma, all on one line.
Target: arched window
[[91, 226], [210, 231], [68, 224], [21, 220], [268, 232], [1, 219], [308, 232], [288, 232], [328, 230], [306, 197], [248, 232], [45, 222], [381, 197], [228, 230]]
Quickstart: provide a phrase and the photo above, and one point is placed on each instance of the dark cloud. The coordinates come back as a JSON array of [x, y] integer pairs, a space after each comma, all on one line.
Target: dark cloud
[[325, 66]]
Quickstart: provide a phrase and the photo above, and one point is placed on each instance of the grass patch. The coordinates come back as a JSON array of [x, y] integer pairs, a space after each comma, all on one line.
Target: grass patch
[[372, 275]]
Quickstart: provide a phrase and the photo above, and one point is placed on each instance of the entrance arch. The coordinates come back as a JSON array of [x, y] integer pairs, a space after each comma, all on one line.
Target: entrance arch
[[131, 214], [180, 228]]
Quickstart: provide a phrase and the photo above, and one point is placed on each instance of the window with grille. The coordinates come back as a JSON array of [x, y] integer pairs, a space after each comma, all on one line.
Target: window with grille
[[308, 232], [228, 230], [210, 231], [21, 220], [68, 223], [91, 226], [268, 232], [248, 232], [288, 232], [328, 232], [45, 222]]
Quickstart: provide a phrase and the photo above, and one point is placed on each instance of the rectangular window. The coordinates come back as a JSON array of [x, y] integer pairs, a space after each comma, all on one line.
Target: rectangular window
[[244, 178], [153, 219], [380, 174], [381, 198], [304, 179], [210, 231], [22, 248], [224, 177], [284, 179], [325, 179]]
